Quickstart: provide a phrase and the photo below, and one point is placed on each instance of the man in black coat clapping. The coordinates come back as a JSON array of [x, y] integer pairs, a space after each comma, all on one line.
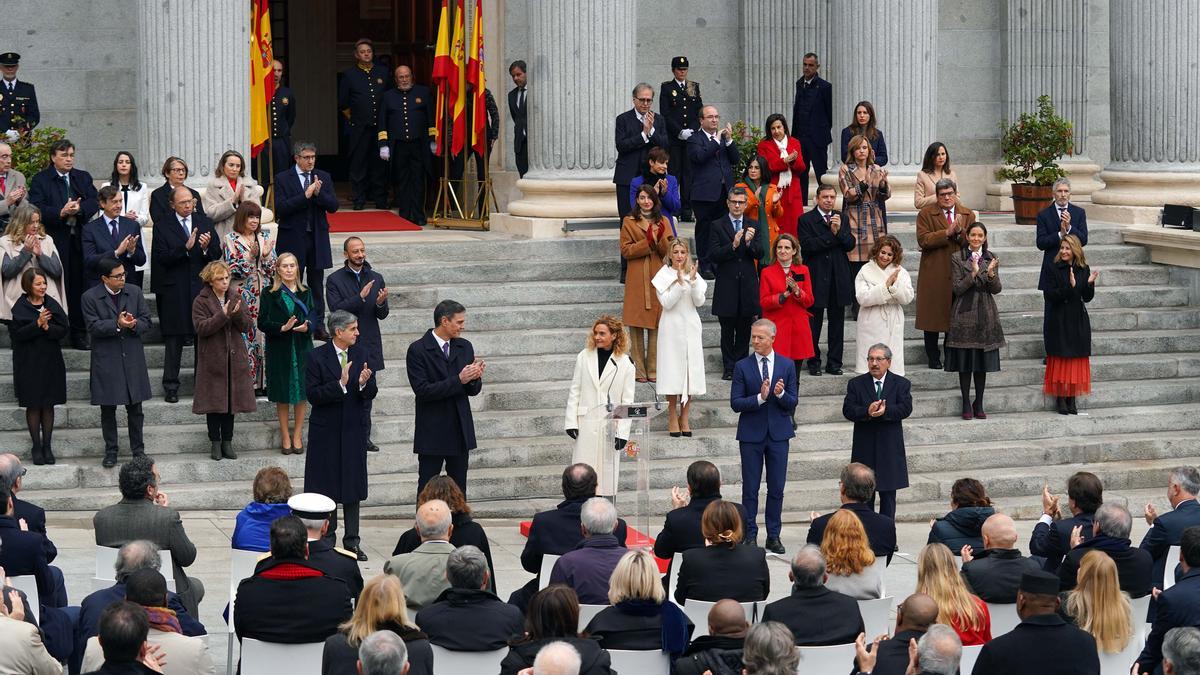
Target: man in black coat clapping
[[823, 245]]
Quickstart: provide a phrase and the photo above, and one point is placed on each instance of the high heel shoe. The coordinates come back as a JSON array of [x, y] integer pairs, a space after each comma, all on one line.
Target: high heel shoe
[[977, 408], [48, 454], [1060, 405], [967, 412], [673, 427]]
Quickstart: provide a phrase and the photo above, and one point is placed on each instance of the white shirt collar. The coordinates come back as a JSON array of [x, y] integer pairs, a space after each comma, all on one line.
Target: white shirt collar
[[824, 213], [769, 357], [681, 82], [62, 175], [1060, 208], [440, 342], [300, 172], [809, 82], [881, 378], [181, 219], [339, 351]]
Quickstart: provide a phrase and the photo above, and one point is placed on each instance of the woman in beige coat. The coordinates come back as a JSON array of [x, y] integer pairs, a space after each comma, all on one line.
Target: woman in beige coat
[[23, 245], [228, 188], [645, 240], [603, 375], [934, 167]]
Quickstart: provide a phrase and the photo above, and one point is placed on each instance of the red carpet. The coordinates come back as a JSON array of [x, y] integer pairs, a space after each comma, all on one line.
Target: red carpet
[[633, 539], [369, 221]]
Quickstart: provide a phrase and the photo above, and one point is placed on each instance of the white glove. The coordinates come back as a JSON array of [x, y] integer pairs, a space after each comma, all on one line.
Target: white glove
[[432, 145], [385, 153], [686, 134], [12, 135]]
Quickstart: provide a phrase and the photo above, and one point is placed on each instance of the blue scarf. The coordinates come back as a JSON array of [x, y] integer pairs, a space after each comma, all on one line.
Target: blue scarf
[[674, 622], [303, 307]]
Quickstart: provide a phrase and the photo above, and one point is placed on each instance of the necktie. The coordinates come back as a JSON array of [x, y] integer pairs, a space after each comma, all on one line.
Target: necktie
[[112, 227], [446, 350], [342, 358], [949, 217], [766, 372], [307, 179], [125, 196], [521, 99], [67, 180], [187, 230], [878, 390], [3, 186], [828, 218], [737, 225]]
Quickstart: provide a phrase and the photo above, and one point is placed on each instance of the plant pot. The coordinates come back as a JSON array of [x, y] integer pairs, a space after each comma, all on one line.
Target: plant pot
[[1029, 199]]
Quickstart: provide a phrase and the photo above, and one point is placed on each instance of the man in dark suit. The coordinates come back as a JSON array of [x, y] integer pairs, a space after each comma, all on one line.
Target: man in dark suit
[[914, 616], [1043, 642], [878, 402], [360, 290], [764, 394], [1055, 222], [1110, 535], [183, 244], [721, 646], [112, 234], [303, 199], [519, 112], [467, 617], [443, 372], [12, 474], [1183, 484], [812, 120], [360, 91], [680, 103], [1051, 539], [856, 489], [994, 574], [734, 253], [338, 383], [824, 244], [288, 600], [17, 99], [681, 529], [816, 615], [67, 199], [407, 134], [712, 156], [23, 553], [1179, 605], [315, 511], [637, 131]]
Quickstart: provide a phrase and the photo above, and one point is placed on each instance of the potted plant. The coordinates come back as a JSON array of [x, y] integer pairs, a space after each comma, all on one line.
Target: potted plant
[[746, 136], [31, 150], [1031, 147]]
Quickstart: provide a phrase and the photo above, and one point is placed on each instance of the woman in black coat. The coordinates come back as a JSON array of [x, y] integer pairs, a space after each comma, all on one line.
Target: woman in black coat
[[640, 618], [963, 526], [724, 568], [381, 606], [553, 616], [1067, 329], [465, 531], [39, 374]]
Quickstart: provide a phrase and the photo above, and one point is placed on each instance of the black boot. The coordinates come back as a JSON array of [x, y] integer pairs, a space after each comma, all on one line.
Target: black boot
[[1071, 406], [227, 450], [48, 453], [1060, 404], [39, 458], [215, 452]]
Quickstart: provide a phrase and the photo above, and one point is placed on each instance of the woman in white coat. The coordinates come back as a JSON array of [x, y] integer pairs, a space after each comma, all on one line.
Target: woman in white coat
[[134, 192], [681, 292], [882, 288], [228, 188], [603, 374]]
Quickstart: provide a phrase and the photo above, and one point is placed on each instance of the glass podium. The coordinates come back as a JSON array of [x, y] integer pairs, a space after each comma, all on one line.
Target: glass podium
[[629, 466]]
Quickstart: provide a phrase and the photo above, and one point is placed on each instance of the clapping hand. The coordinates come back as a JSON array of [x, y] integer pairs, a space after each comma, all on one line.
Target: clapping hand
[[191, 240], [204, 239], [470, 372], [17, 613], [313, 188], [125, 320], [381, 297], [991, 268], [364, 376], [127, 244], [70, 208], [1049, 502], [30, 241], [679, 497], [345, 378], [791, 157], [232, 307], [867, 659], [366, 289], [290, 324], [1093, 276], [778, 390], [14, 195], [727, 132], [765, 390], [692, 270], [1076, 536], [883, 175], [835, 222], [648, 122], [154, 658], [661, 186], [1151, 514], [877, 408], [967, 553], [301, 328], [891, 280], [1064, 221], [43, 320], [776, 197], [749, 234], [1071, 276], [737, 237]]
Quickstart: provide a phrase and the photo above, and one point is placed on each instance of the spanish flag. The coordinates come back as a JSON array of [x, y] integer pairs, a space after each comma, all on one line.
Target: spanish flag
[[262, 77], [475, 76], [449, 76]]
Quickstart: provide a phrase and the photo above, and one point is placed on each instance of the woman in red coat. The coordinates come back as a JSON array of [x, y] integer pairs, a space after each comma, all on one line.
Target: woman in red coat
[[785, 292], [782, 153]]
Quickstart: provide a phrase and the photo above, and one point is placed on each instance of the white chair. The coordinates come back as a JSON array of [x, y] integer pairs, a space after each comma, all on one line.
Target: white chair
[[697, 611], [449, 662], [881, 567], [1004, 618], [832, 659], [270, 658], [1140, 607], [970, 654], [876, 615], [547, 567], [641, 662], [241, 566], [1169, 569], [587, 613], [106, 573], [673, 582], [1122, 661], [28, 585]]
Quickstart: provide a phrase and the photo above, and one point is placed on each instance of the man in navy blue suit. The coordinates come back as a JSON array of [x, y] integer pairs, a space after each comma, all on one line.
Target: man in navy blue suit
[[1051, 539], [764, 393], [812, 120], [713, 155], [637, 131], [1055, 222], [1179, 605], [1183, 484], [303, 198], [878, 402], [112, 234]]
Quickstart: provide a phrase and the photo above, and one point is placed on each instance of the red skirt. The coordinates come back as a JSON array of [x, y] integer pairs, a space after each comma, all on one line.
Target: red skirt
[[1067, 376]]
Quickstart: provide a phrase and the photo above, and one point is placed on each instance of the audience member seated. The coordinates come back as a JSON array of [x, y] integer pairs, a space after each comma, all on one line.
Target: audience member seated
[[938, 577], [381, 608], [315, 510], [914, 616], [272, 489], [558, 658], [467, 617], [12, 473], [969, 508], [557, 531], [721, 650], [725, 568], [422, 572], [770, 650], [855, 489], [383, 653], [849, 561], [1181, 651], [1098, 605], [184, 655], [21, 648], [640, 617], [1183, 484], [816, 615], [1110, 534], [466, 532], [23, 553], [588, 568], [1051, 538], [553, 616], [681, 529], [994, 573], [144, 513], [938, 652], [124, 628], [1042, 642], [288, 600], [1179, 605]]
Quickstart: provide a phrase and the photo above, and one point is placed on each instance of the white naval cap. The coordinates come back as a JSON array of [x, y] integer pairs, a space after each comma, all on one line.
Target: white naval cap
[[311, 506]]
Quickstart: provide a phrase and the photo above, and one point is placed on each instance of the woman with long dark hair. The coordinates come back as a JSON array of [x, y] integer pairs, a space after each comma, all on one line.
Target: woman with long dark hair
[[134, 193], [782, 153], [863, 124], [934, 167], [764, 203], [975, 337], [645, 240], [655, 175], [553, 616]]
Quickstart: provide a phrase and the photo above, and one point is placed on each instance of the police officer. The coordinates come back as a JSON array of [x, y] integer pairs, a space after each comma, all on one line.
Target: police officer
[[406, 131], [359, 93], [314, 509], [680, 103], [283, 117], [17, 99]]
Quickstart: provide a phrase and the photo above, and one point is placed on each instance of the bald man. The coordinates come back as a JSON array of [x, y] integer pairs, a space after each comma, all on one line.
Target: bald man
[[406, 137], [422, 572], [914, 616], [995, 572], [722, 646]]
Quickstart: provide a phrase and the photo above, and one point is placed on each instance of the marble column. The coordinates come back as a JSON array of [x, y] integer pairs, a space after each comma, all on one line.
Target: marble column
[[1155, 112], [194, 92], [583, 58], [776, 34]]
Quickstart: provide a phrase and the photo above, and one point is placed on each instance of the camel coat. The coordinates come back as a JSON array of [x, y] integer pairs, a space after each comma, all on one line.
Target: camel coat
[[641, 308], [925, 192], [590, 393], [934, 294], [881, 313], [223, 383], [219, 204]]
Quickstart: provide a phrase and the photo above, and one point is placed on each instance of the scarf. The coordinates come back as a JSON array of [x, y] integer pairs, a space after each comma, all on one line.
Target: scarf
[[785, 176], [296, 299], [674, 622], [163, 619]]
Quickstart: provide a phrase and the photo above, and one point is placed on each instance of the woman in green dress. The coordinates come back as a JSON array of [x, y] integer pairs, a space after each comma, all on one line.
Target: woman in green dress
[[287, 320]]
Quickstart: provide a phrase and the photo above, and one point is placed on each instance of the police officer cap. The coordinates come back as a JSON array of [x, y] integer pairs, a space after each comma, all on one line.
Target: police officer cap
[[679, 62], [312, 506], [1039, 582], [9, 59]]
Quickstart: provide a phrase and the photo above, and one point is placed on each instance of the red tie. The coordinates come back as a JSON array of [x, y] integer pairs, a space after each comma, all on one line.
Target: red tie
[[949, 218], [3, 186]]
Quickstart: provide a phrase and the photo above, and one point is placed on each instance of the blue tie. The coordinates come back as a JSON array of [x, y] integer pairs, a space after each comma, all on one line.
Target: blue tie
[[766, 373], [737, 225]]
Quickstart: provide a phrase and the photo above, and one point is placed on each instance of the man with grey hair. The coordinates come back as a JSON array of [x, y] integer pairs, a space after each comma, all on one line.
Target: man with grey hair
[[1181, 651], [12, 183], [467, 617], [33, 517], [422, 572], [1055, 222], [878, 402], [304, 198], [1183, 484], [588, 568], [557, 658], [731, 253], [382, 653], [637, 131], [941, 228], [816, 615], [1110, 534], [711, 156]]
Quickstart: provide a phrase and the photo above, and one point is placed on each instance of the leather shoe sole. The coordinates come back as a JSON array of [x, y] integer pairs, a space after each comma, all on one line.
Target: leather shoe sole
[[775, 546]]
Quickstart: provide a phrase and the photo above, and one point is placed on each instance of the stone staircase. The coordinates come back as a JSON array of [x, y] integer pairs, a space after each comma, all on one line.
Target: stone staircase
[[529, 306]]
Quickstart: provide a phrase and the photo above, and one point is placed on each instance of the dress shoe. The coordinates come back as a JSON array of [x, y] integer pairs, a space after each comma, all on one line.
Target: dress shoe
[[935, 364], [358, 206], [215, 451], [834, 371], [1071, 406], [362, 557], [977, 408], [815, 372], [260, 393], [109, 461], [227, 450], [171, 397], [1060, 405], [967, 413], [775, 546], [189, 341], [371, 447], [751, 541], [727, 375], [48, 454], [382, 206], [686, 434]]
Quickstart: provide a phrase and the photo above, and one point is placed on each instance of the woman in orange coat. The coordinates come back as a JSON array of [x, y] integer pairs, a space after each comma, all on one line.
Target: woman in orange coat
[[762, 199], [782, 153], [785, 293], [645, 241]]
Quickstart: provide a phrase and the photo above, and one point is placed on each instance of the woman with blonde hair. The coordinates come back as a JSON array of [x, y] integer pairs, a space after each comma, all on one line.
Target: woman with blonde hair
[[26, 245], [966, 613], [645, 240], [723, 568], [882, 289], [681, 292], [223, 384], [848, 558], [381, 606], [1067, 329], [640, 618], [603, 375], [287, 318], [864, 189], [1097, 604], [228, 189]]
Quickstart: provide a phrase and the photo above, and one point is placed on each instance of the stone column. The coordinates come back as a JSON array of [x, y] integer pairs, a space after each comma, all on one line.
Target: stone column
[[776, 34], [194, 92], [581, 60], [1155, 112]]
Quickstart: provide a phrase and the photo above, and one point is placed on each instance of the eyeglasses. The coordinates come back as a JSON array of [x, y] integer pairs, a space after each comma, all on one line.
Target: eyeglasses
[[119, 275], [645, 100], [307, 158], [177, 169], [945, 194], [737, 203], [877, 359]]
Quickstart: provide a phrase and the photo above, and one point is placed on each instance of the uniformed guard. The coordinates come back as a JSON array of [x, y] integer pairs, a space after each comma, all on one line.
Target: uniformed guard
[[18, 101], [314, 510], [283, 117], [359, 92], [406, 133], [680, 103]]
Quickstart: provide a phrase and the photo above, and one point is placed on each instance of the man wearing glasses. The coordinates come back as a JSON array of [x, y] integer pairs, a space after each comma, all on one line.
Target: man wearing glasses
[[713, 155], [637, 131], [303, 199], [878, 402]]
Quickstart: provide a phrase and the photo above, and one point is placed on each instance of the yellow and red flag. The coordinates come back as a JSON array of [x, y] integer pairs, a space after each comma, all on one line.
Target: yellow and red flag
[[476, 77], [449, 75], [262, 76]]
